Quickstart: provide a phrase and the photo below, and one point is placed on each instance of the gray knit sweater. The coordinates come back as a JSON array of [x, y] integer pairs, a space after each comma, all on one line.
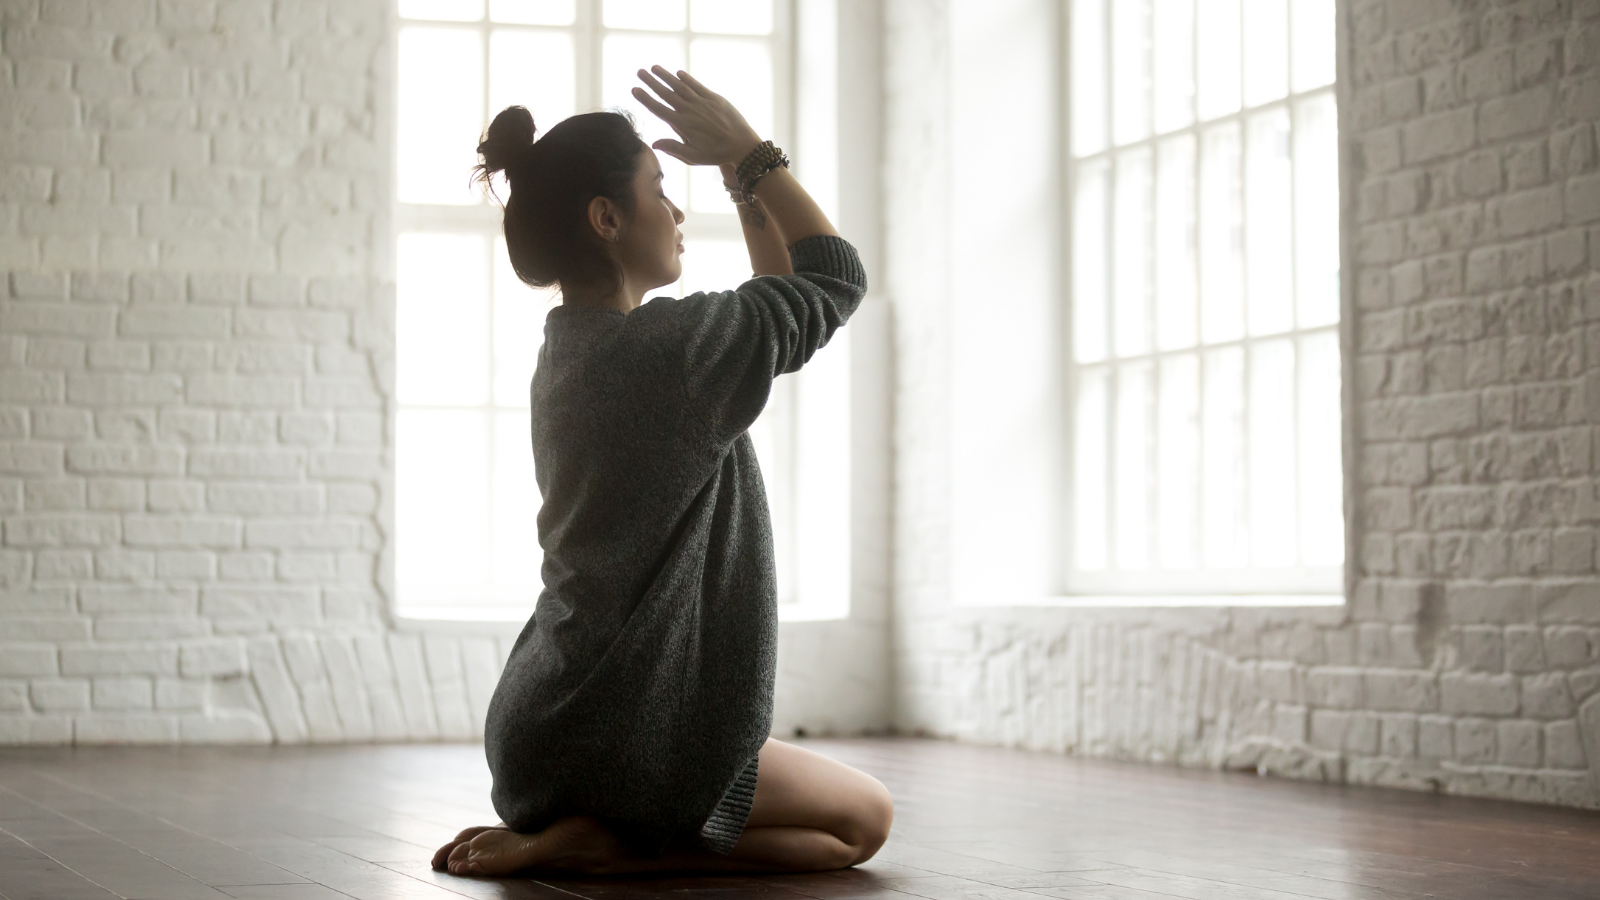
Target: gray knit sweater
[[641, 688]]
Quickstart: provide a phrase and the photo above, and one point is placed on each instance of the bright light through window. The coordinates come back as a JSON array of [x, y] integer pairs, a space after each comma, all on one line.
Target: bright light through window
[[1205, 298], [468, 332]]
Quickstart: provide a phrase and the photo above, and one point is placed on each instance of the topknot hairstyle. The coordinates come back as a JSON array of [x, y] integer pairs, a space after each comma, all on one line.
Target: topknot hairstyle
[[551, 182]]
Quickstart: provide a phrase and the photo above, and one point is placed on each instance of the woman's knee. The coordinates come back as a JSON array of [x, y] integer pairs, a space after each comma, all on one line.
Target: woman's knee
[[873, 818]]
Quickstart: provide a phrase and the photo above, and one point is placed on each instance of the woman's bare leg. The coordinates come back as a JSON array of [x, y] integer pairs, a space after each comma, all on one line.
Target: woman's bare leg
[[810, 813]]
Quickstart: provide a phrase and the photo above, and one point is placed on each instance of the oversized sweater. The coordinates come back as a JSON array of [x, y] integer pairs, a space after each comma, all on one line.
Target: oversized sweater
[[641, 688]]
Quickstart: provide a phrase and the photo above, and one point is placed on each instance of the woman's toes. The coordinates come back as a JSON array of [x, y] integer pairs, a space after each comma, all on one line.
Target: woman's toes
[[574, 844], [442, 855], [494, 852]]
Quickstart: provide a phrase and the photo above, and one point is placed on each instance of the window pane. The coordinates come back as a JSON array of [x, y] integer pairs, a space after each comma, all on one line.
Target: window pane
[[1221, 236], [532, 12], [1316, 211], [441, 498], [1088, 76], [1272, 456], [1222, 459], [447, 10], [651, 15], [1266, 49], [1321, 475], [731, 16], [1174, 64], [1131, 472], [1178, 453], [442, 319], [1218, 22], [1176, 312], [440, 114], [713, 266], [1131, 231], [1089, 264], [622, 56], [740, 70], [1089, 471], [1268, 243], [519, 313], [1130, 65], [706, 193], [533, 69], [1312, 51], [515, 505]]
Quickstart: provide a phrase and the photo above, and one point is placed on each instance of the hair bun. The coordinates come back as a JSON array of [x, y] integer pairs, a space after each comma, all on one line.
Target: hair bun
[[508, 143]]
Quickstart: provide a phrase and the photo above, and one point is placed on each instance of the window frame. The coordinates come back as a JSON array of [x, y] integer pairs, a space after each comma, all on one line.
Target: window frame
[[1250, 584], [483, 219]]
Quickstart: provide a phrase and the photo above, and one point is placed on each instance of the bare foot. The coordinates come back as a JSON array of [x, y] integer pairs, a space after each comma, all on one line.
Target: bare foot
[[572, 844], [443, 853]]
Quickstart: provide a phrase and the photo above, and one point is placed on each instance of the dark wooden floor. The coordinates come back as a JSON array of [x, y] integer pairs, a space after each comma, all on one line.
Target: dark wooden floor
[[972, 824]]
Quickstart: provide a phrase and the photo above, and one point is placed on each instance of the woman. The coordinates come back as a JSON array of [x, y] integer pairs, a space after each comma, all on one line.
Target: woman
[[629, 729]]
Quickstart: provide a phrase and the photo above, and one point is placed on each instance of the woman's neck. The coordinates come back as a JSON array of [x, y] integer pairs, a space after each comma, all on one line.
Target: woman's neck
[[624, 299]]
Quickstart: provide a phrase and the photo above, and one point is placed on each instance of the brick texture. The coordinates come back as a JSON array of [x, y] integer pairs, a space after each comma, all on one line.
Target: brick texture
[[192, 382], [1467, 657]]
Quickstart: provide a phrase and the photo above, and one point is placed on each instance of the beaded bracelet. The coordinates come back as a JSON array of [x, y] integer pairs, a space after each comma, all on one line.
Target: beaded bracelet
[[759, 162]]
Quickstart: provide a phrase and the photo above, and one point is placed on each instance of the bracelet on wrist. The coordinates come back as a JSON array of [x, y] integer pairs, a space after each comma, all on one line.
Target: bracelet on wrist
[[757, 163], [738, 195]]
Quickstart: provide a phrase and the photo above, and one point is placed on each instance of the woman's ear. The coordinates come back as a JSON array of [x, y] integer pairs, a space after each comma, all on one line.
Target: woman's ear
[[604, 218]]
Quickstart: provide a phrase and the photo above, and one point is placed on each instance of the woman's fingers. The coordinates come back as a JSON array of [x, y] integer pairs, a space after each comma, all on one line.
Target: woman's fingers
[[682, 152], [666, 93], [673, 82], [696, 86], [655, 106]]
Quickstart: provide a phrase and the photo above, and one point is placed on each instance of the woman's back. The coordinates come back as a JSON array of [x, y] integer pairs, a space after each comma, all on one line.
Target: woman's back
[[644, 680]]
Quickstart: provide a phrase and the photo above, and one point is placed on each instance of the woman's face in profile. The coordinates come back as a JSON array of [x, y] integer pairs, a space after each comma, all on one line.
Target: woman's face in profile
[[650, 247]]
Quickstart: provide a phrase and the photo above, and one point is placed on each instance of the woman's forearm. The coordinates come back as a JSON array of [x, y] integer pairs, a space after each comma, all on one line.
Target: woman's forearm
[[768, 253], [790, 208]]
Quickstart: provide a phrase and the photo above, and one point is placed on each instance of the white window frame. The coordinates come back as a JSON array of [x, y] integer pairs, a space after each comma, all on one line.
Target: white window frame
[[787, 438], [1249, 585]]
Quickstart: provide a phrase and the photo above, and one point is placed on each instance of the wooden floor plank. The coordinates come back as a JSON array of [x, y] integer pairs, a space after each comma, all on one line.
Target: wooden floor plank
[[972, 823]]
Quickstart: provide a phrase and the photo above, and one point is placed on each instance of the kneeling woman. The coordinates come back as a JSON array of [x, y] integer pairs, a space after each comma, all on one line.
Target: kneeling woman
[[629, 729]]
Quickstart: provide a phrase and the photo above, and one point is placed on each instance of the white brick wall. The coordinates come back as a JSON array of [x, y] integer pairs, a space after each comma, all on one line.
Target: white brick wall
[[1468, 656], [196, 362], [193, 393]]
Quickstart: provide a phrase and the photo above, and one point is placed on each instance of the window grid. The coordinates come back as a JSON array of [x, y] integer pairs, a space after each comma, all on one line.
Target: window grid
[[1095, 414], [714, 232]]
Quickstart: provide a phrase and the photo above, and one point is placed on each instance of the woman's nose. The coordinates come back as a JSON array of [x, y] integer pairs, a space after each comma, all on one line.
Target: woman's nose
[[677, 214]]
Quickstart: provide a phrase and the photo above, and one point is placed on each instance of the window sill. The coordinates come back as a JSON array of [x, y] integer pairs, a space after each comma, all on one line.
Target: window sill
[[1169, 601]]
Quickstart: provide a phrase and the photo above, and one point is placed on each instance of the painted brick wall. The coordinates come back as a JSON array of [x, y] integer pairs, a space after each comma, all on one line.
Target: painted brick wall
[[1467, 658], [194, 355]]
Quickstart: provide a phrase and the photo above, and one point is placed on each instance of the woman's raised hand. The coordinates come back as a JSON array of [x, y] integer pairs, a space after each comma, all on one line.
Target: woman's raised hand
[[713, 132]]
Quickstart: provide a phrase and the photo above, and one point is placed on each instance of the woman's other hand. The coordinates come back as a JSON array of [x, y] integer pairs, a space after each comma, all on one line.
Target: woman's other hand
[[713, 132]]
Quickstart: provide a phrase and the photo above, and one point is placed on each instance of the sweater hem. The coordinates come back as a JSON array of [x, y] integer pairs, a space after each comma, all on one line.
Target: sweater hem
[[726, 822]]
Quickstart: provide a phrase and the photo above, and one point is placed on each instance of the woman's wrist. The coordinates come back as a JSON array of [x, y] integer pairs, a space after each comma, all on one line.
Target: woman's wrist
[[749, 145]]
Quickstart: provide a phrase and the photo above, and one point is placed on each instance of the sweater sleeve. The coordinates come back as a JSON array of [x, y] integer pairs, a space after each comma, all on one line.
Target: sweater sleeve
[[734, 343]]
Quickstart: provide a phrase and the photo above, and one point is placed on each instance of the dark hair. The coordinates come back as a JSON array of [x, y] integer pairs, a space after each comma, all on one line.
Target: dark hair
[[551, 183]]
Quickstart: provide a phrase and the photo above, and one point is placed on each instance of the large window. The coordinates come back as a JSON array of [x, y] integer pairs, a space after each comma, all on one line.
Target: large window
[[1205, 298], [468, 332]]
